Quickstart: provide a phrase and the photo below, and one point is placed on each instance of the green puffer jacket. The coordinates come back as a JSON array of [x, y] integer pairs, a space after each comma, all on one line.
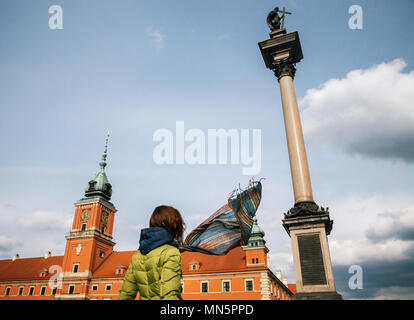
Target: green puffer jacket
[[154, 271]]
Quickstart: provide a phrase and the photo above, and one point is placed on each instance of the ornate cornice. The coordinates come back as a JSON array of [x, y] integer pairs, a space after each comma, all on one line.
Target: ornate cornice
[[307, 213], [91, 233]]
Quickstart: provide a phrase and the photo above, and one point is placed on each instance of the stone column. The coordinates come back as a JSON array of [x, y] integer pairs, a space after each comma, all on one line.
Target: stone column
[[302, 188]]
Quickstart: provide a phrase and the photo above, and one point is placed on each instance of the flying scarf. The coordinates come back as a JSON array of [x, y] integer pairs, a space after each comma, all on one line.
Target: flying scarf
[[229, 226]]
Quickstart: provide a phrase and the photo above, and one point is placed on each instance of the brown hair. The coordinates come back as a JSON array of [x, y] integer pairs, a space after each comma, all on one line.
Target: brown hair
[[170, 219]]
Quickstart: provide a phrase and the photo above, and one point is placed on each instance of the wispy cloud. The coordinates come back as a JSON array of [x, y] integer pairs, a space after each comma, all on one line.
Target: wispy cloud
[[44, 220], [158, 38], [8, 243]]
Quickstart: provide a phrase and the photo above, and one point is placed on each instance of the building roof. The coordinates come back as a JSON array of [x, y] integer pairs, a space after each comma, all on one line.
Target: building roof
[[234, 260], [117, 259], [292, 287], [28, 268]]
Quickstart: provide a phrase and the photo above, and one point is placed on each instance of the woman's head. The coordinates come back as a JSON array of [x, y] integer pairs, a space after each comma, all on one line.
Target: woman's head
[[170, 219]]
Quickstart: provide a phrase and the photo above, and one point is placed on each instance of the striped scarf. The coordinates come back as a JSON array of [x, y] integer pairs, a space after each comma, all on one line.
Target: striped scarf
[[229, 226]]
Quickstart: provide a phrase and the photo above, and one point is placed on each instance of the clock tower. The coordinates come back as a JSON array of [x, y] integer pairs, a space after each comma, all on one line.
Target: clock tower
[[90, 240]]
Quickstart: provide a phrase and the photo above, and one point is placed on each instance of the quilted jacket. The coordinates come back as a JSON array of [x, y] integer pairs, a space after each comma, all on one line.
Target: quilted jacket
[[155, 269]]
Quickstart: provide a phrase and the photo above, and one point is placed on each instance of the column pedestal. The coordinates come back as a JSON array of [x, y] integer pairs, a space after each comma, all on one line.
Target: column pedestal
[[308, 226]]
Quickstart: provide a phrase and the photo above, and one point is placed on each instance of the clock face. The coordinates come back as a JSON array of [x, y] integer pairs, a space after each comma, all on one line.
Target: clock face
[[86, 214], [104, 217]]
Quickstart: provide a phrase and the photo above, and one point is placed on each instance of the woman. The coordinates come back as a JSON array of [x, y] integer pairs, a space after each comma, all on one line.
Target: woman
[[155, 269]]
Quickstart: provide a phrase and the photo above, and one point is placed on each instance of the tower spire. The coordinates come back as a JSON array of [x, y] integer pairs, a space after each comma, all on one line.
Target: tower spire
[[99, 186], [102, 164]]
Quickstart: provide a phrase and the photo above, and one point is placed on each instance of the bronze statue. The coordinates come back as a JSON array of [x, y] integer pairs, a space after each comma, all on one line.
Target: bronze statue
[[274, 21]]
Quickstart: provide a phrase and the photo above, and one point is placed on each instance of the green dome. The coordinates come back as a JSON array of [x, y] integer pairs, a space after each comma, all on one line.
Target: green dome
[[256, 235]]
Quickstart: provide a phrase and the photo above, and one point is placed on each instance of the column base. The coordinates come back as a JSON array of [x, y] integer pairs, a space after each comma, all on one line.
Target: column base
[[333, 295], [308, 226]]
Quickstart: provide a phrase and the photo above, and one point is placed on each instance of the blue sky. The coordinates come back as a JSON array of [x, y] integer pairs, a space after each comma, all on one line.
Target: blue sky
[[133, 67]]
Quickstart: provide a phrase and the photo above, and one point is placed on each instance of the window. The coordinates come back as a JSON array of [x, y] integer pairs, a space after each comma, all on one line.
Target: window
[[193, 267], [71, 289], [95, 287], [42, 291], [54, 291], [101, 254], [31, 290], [83, 226], [75, 267], [257, 260], [20, 291], [204, 286], [108, 287], [103, 229], [92, 185], [7, 291], [249, 285], [226, 285], [120, 270]]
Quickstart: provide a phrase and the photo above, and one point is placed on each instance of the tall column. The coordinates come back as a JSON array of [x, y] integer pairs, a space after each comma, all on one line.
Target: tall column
[[302, 188], [306, 223]]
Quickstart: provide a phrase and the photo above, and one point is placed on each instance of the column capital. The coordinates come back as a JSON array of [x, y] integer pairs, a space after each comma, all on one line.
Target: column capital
[[285, 68]]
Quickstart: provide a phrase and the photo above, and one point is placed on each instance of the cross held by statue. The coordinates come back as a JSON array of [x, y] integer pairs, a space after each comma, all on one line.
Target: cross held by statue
[[284, 12], [276, 22]]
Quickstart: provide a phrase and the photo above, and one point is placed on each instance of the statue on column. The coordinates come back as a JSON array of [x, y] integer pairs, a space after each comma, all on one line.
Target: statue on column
[[276, 22]]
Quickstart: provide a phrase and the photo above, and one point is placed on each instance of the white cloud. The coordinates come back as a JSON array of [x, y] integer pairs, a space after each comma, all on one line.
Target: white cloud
[[369, 112], [350, 252], [354, 215], [373, 229], [395, 293], [282, 261], [8, 243], [45, 220], [393, 224], [157, 37]]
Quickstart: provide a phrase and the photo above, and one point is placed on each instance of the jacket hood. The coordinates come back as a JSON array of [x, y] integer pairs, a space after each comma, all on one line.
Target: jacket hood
[[154, 237]]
